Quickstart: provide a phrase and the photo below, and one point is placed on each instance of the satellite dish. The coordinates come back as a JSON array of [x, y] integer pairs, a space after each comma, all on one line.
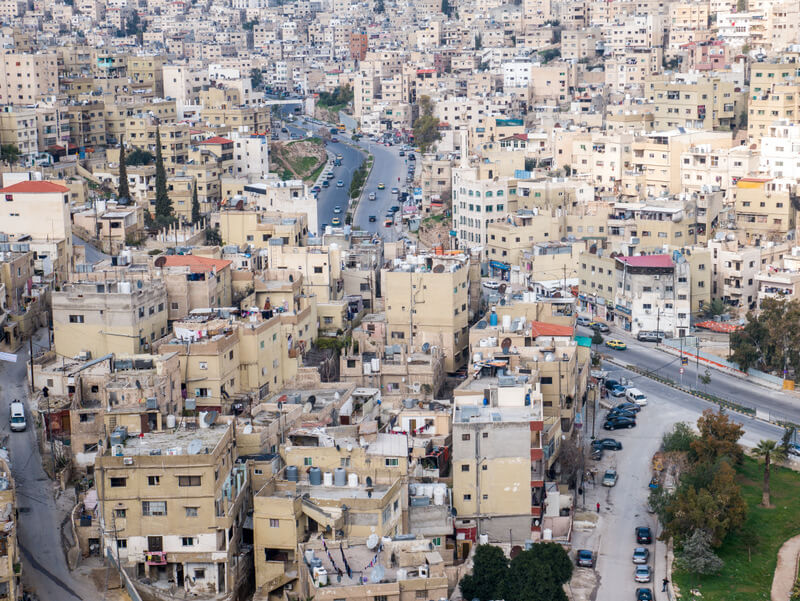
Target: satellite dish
[[312, 399], [426, 347], [502, 289], [438, 269], [372, 541], [211, 417], [161, 261], [307, 408], [515, 550], [506, 344], [195, 447], [377, 574]]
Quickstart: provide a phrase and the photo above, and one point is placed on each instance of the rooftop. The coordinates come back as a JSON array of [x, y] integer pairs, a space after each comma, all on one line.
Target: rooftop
[[34, 187], [195, 263], [201, 441], [647, 261]]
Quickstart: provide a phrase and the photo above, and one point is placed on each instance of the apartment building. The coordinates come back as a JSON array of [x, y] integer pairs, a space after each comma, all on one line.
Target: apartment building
[[256, 228], [479, 199], [173, 507], [765, 208], [693, 103], [146, 72], [653, 292], [195, 282], [10, 557], [27, 78], [774, 96], [18, 127], [426, 298], [780, 148], [704, 167], [39, 209], [122, 317]]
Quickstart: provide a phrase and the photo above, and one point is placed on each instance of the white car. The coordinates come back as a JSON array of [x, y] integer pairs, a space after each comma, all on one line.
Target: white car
[[634, 395], [337, 209], [491, 284]]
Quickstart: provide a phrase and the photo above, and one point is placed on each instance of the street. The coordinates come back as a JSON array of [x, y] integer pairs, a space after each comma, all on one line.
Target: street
[[624, 506], [44, 566]]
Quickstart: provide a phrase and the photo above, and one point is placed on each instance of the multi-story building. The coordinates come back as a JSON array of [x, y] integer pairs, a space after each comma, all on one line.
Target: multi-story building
[[765, 208], [653, 292], [18, 128], [122, 317], [693, 103], [173, 506], [774, 96], [426, 298], [39, 209], [27, 78]]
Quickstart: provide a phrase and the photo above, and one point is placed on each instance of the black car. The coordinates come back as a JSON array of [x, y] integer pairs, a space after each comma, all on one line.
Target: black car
[[372, 218], [610, 384], [643, 535], [629, 407], [411, 156], [617, 423], [644, 594], [621, 413], [607, 443]]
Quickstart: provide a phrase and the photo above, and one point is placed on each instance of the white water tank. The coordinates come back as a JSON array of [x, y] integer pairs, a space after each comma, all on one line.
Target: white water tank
[[327, 479], [321, 576], [438, 495], [402, 574], [483, 539], [547, 534], [376, 364], [427, 490], [412, 489], [352, 480], [309, 555], [170, 421], [506, 323], [124, 287], [202, 417]]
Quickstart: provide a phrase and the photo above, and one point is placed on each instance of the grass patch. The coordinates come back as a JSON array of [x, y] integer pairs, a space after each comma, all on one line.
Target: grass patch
[[303, 164], [315, 174], [741, 579]]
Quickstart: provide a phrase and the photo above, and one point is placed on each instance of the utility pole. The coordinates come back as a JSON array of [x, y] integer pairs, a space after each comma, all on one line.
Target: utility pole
[[658, 326]]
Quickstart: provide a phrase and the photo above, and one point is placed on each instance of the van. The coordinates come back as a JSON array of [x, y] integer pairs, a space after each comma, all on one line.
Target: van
[[645, 336], [634, 395], [17, 417]]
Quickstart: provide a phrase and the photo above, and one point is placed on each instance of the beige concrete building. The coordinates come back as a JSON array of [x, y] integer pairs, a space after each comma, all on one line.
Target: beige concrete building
[[26, 78], [122, 317], [39, 209], [18, 128], [694, 102], [774, 95], [765, 208], [173, 506]]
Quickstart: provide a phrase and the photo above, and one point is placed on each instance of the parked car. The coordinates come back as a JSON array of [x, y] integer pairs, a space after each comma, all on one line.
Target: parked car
[[402, 153], [584, 558], [394, 209], [491, 284], [372, 218], [411, 156], [643, 574], [641, 555], [599, 326], [335, 140], [610, 478], [619, 423], [617, 391], [583, 321], [315, 189], [607, 443], [644, 594], [643, 535], [647, 336], [629, 407], [325, 184], [611, 384], [597, 453], [634, 395], [621, 413], [388, 223], [617, 345]]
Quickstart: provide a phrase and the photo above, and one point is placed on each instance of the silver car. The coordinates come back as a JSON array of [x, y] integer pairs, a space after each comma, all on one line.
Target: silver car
[[610, 478], [643, 574], [641, 555]]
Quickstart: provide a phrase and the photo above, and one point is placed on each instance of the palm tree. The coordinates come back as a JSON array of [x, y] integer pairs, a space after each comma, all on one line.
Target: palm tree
[[769, 450]]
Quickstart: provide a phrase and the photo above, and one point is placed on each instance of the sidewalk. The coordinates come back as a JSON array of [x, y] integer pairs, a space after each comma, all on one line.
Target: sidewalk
[[786, 570]]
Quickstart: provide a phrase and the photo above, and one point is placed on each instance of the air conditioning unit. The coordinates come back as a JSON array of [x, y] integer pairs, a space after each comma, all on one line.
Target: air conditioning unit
[[656, 277]]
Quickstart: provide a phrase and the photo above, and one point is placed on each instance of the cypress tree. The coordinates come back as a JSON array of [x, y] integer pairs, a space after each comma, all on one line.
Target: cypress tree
[[163, 203], [123, 191], [195, 205]]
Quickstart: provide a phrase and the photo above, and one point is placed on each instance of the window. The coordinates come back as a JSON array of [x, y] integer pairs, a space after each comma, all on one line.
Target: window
[[465, 437], [118, 482], [200, 574], [307, 461], [122, 543], [465, 468], [467, 497], [154, 508], [120, 513], [317, 269], [344, 462], [188, 480], [392, 462], [546, 380], [274, 523], [191, 512], [187, 541], [76, 318], [153, 480]]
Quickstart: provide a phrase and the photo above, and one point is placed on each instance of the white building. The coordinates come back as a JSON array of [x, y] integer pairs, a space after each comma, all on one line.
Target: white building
[[780, 151], [250, 154]]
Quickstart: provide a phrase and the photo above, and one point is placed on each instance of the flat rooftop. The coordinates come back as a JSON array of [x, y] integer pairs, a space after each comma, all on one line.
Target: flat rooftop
[[471, 414], [336, 493], [179, 442]]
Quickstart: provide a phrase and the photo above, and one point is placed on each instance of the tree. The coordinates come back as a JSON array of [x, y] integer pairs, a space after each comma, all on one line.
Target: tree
[[426, 127], [741, 6], [570, 458], [195, 205], [163, 203], [750, 538], [123, 191], [770, 341], [597, 339], [446, 8], [719, 437], [488, 574], [538, 574], [213, 237], [786, 439], [678, 439], [715, 307], [705, 378], [769, 450], [139, 156], [478, 42], [256, 78], [549, 54], [9, 153], [696, 556]]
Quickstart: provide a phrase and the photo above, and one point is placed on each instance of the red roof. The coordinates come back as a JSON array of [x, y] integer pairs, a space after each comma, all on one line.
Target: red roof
[[540, 328], [648, 261], [34, 187], [216, 140], [197, 264]]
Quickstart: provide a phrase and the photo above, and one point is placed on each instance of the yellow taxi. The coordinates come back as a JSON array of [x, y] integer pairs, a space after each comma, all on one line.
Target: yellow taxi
[[617, 345], [336, 221], [381, 186]]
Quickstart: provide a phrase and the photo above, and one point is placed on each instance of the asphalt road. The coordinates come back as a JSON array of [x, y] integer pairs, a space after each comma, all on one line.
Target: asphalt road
[[645, 355], [44, 567], [92, 254], [624, 507]]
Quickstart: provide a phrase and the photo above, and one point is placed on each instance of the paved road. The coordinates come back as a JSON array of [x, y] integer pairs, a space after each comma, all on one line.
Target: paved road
[[624, 506], [44, 567], [645, 355]]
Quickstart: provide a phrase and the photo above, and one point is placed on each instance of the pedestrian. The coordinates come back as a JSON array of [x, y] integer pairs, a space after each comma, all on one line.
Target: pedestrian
[[598, 508], [664, 584]]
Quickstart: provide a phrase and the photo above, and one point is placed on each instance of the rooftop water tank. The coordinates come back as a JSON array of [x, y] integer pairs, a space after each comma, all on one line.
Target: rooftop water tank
[[340, 476], [352, 480], [315, 476], [327, 479], [493, 318], [291, 473]]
